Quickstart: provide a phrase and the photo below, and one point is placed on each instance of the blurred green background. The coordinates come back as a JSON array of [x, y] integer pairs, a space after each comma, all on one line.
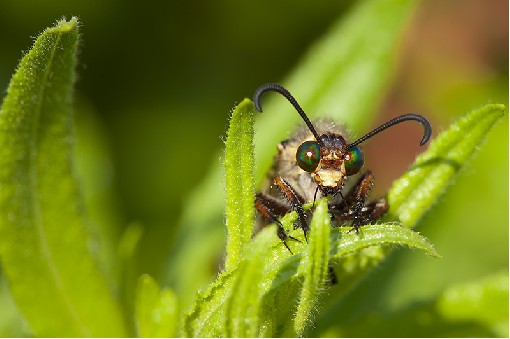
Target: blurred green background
[[158, 80]]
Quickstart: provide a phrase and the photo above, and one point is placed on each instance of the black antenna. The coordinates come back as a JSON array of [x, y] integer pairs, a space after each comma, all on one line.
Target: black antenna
[[426, 125], [279, 89]]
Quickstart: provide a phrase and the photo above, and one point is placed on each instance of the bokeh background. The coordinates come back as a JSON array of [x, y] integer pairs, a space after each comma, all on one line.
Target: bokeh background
[[158, 79]]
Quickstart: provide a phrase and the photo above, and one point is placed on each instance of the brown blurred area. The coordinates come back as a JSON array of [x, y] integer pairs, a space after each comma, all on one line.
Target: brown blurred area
[[449, 49]]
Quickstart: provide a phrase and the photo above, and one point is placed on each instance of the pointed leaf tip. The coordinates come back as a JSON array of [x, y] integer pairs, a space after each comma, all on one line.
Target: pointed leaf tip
[[414, 193]]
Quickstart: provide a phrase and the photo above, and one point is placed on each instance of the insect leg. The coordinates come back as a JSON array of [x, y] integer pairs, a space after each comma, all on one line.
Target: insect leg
[[271, 209], [375, 209], [355, 208], [295, 200], [332, 278]]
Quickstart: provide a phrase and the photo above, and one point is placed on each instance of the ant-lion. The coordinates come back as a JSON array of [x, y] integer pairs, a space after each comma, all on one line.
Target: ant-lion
[[325, 161]]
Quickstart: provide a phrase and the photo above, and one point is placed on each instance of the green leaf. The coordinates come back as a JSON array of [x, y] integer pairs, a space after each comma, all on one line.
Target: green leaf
[[485, 301], [419, 188], [379, 235], [207, 317], [156, 311], [240, 187], [94, 171], [243, 306], [475, 309], [47, 254], [12, 324], [258, 297], [314, 267], [353, 255], [238, 302]]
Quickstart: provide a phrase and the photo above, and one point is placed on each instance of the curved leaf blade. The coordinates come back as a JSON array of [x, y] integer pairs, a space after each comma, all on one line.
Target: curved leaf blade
[[419, 188], [346, 244], [45, 249]]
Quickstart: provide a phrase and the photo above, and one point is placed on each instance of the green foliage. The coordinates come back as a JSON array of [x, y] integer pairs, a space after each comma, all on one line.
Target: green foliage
[[476, 308], [313, 266], [69, 277], [256, 294], [240, 187], [481, 301], [156, 311], [413, 193], [337, 79], [47, 253]]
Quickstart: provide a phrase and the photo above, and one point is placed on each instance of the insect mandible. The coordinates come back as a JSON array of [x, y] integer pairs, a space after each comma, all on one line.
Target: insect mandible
[[316, 162]]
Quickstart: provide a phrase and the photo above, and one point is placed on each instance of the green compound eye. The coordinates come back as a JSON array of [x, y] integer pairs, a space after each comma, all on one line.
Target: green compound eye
[[354, 160], [308, 155]]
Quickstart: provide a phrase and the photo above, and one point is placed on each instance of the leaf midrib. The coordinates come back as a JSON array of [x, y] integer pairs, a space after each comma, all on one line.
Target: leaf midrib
[[35, 201]]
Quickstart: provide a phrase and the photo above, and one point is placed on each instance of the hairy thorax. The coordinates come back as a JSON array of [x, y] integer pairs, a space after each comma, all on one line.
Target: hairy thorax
[[330, 173]]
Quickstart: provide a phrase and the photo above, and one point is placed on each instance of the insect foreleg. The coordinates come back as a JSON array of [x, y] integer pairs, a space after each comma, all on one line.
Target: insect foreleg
[[271, 209], [295, 200], [355, 207]]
